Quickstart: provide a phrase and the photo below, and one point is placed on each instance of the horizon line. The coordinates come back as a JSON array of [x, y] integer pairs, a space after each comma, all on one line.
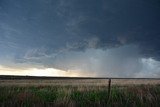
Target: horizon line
[[64, 77]]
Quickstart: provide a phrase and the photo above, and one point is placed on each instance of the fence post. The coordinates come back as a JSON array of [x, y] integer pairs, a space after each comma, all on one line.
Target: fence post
[[109, 89]]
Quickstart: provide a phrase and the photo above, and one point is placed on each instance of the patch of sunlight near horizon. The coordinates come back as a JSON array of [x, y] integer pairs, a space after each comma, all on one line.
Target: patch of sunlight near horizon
[[42, 72]]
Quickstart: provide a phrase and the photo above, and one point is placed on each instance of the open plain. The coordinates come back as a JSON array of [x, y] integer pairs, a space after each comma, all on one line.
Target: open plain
[[26, 91]]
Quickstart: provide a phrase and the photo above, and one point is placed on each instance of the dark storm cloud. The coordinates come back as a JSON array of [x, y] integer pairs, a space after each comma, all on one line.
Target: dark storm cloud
[[46, 31], [56, 23], [118, 23]]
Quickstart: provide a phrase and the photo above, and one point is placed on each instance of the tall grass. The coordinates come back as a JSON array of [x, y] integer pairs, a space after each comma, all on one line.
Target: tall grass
[[80, 96]]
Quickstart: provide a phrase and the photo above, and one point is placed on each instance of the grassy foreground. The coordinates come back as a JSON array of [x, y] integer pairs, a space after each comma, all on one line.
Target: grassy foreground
[[80, 96]]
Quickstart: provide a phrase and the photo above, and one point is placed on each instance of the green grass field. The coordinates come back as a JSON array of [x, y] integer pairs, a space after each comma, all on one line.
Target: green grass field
[[80, 96], [27, 91]]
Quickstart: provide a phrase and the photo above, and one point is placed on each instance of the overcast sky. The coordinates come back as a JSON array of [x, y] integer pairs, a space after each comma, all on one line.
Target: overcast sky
[[107, 38]]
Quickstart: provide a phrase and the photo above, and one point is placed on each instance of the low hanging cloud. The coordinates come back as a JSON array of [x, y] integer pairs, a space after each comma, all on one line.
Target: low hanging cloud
[[122, 61]]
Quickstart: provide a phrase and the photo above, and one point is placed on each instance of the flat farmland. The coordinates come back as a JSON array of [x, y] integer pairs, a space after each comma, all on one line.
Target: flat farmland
[[26, 91], [64, 81]]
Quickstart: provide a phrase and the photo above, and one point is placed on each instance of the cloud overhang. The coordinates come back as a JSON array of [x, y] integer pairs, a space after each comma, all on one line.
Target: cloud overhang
[[104, 38]]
